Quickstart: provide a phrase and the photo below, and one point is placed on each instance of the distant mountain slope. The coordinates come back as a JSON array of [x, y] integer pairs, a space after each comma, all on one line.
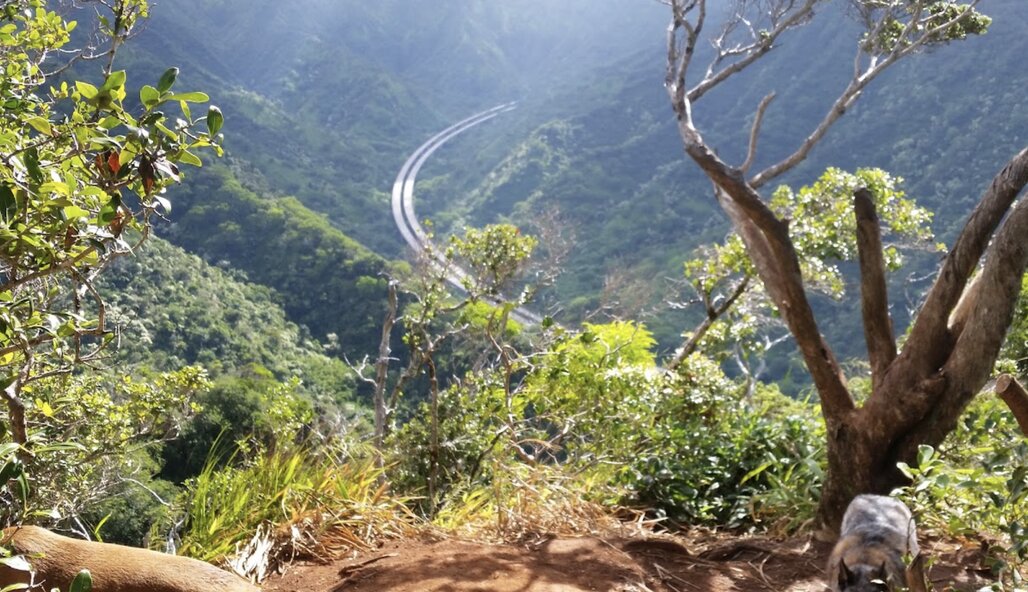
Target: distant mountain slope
[[174, 309], [325, 280], [323, 99], [607, 155]]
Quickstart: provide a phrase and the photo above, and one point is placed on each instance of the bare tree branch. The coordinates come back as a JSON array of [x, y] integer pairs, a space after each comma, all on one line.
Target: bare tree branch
[[1016, 398], [761, 46], [382, 372], [852, 92], [881, 345], [713, 314], [680, 52], [758, 119]]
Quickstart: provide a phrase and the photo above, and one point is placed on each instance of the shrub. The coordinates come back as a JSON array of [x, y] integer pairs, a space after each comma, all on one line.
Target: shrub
[[597, 416], [976, 485], [712, 456]]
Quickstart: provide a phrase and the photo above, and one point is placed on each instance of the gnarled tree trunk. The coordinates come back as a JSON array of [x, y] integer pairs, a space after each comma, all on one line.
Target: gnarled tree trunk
[[917, 393]]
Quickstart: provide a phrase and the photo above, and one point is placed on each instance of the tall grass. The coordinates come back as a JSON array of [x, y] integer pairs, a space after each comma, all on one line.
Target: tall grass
[[287, 504]]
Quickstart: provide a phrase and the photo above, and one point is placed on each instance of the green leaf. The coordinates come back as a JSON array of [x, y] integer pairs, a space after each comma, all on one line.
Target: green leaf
[[41, 125], [110, 122], [88, 91], [167, 80], [17, 562], [74, 212], [114, 81], [22, 481], [99, 525], [107, 214], [32, 164], [755, 472], [149, 96], [127, 154], [83, 582], [44, 407], [10, 468], [214, 120], [164, 203], [8, 204], [188, 157], [190, 97], [924, 455]]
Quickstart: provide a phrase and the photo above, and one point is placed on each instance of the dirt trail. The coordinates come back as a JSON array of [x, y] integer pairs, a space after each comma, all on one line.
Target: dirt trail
[[717, 564]]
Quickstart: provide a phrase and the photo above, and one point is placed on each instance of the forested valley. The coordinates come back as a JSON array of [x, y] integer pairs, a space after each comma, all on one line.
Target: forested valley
[[648, 344]]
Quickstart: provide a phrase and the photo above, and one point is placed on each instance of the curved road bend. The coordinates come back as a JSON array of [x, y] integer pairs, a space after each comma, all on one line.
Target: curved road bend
[[403, 197]]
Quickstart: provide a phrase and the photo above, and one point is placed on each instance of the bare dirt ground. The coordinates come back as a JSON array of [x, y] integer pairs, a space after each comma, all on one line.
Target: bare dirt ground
[[699, 563]]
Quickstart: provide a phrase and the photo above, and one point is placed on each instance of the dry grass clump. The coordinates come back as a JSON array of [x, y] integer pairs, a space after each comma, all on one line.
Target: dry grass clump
[[526, 502], [282, 507]]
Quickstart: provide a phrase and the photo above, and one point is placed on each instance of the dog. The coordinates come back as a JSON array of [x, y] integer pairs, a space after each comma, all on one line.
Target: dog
[[877, 532], [56, 560]]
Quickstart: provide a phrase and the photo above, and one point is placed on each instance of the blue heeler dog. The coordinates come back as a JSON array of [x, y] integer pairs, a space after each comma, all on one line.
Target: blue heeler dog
[[877, 531]]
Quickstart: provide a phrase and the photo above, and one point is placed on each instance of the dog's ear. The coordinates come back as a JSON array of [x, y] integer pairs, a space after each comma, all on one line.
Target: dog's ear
[[880, 578], [915, 575], [846, 577]]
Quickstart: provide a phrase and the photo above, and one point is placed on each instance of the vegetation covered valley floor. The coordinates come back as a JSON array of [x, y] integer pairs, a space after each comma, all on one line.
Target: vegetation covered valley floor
[[701, 561]]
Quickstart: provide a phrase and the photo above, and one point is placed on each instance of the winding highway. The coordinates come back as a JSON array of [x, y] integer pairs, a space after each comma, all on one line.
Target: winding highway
[[403, 200]]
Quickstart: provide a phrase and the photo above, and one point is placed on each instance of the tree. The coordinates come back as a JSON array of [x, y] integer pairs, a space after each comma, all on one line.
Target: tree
[[918, 392], [739, 318], [81, 178], [494, 257]]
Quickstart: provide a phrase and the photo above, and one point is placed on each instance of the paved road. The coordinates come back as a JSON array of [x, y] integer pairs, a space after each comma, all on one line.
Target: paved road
[[403, 198]]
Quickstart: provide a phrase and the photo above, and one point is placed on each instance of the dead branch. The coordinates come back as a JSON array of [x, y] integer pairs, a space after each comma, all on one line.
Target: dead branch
[[1016, 398], [382, 372], [751, 152], [713, 314], [881, 345]]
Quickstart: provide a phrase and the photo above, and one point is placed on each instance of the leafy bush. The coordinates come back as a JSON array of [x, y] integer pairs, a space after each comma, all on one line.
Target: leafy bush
[[97, 476], [714, 457], [250, 408], [976, 485], [79, 462], [596, 416]]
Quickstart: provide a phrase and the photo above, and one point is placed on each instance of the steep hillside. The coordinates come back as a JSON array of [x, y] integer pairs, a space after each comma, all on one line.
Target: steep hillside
[[607, 155], [325, 280], [326, 98], [173, 309]]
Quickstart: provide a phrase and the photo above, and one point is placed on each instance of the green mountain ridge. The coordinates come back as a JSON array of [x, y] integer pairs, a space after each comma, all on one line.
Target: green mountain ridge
[[614, 169], [329, 98]]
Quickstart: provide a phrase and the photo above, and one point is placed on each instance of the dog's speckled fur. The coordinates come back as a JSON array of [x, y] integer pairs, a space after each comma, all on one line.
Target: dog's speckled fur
[[876, 533]]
